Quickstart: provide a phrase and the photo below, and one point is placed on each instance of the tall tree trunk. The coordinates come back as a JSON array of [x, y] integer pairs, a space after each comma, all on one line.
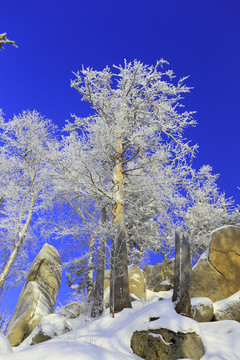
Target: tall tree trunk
[[90, 264], [182, 276], [98, 293], [119, 291], [177, 270]]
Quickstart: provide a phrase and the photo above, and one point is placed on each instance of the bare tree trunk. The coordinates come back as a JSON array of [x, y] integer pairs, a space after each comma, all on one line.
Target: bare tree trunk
[[177, 270], [119, 291], [12, 257], [182, 276], [98, 293], [90, 265], [112, 277]]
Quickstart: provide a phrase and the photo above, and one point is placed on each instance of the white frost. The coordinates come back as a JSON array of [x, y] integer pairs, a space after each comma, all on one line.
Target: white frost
[[109, 338]]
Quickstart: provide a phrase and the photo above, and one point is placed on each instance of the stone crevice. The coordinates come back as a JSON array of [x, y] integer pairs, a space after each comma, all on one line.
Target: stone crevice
[[211, 264], [224, 252]]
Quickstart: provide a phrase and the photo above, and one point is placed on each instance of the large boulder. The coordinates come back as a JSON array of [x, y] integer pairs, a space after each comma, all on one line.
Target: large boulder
[[165, 344], [216, 275], [202, 309], [38, 295], [160, 276], [228, 309], [137, 283]]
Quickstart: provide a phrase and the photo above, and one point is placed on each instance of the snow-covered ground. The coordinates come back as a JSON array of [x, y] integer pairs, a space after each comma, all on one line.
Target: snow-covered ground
[[109, 338]]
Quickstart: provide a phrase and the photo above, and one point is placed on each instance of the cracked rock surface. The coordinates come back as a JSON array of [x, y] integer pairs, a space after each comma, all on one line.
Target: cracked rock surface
[[217, 276]]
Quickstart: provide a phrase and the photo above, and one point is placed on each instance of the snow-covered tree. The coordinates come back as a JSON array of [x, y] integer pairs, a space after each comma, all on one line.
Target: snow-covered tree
[[208, 209], [131, 153], [25, 184], [75, 221], [4, 40]]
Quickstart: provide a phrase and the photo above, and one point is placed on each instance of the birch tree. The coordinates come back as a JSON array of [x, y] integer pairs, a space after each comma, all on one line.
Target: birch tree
[[132, 145], [25, 164]]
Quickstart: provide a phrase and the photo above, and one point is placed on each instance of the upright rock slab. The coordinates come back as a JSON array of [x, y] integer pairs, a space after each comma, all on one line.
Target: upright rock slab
[[216, 276], [137, 282], [38, 295], [160, 277]]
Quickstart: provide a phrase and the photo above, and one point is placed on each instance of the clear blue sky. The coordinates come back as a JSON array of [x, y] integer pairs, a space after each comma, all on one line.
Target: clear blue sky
[[198, 38]]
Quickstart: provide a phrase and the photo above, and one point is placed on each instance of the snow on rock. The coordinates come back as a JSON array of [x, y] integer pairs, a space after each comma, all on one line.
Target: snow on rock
[[202, 309], [153, 296], [228, 309], [49, 327], [38, 295]]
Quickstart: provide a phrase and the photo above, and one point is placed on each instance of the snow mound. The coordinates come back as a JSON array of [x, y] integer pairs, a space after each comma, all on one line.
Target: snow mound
[[5, 347], [109, 338]]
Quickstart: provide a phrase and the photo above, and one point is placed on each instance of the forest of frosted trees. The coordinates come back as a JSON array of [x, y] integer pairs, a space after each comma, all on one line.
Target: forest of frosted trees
[[111, 186]]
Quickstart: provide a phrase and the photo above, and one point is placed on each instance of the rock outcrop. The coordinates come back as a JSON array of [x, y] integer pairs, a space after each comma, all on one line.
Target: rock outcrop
[[38, 295], [106, 279], [137, 282], [216, 275], [160, 276], [228, 309], [202, 309], [165, 344]]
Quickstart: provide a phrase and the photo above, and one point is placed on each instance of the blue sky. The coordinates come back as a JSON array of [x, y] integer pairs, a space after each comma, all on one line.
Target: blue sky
[[198, 38]]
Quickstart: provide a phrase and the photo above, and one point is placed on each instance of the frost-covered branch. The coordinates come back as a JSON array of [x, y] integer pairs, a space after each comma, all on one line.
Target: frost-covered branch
[[4, 40]]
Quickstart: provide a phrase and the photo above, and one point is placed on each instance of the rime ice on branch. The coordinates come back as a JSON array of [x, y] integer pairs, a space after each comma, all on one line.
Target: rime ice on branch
[[131, 154], [4, 40]]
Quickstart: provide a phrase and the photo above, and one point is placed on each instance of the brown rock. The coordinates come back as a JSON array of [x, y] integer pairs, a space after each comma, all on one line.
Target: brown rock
[[224, 255], [217, 275], [208, 282], [106, 279], [166, 345], [158, 275], [137, 282], [202, 309], [38, 295]]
